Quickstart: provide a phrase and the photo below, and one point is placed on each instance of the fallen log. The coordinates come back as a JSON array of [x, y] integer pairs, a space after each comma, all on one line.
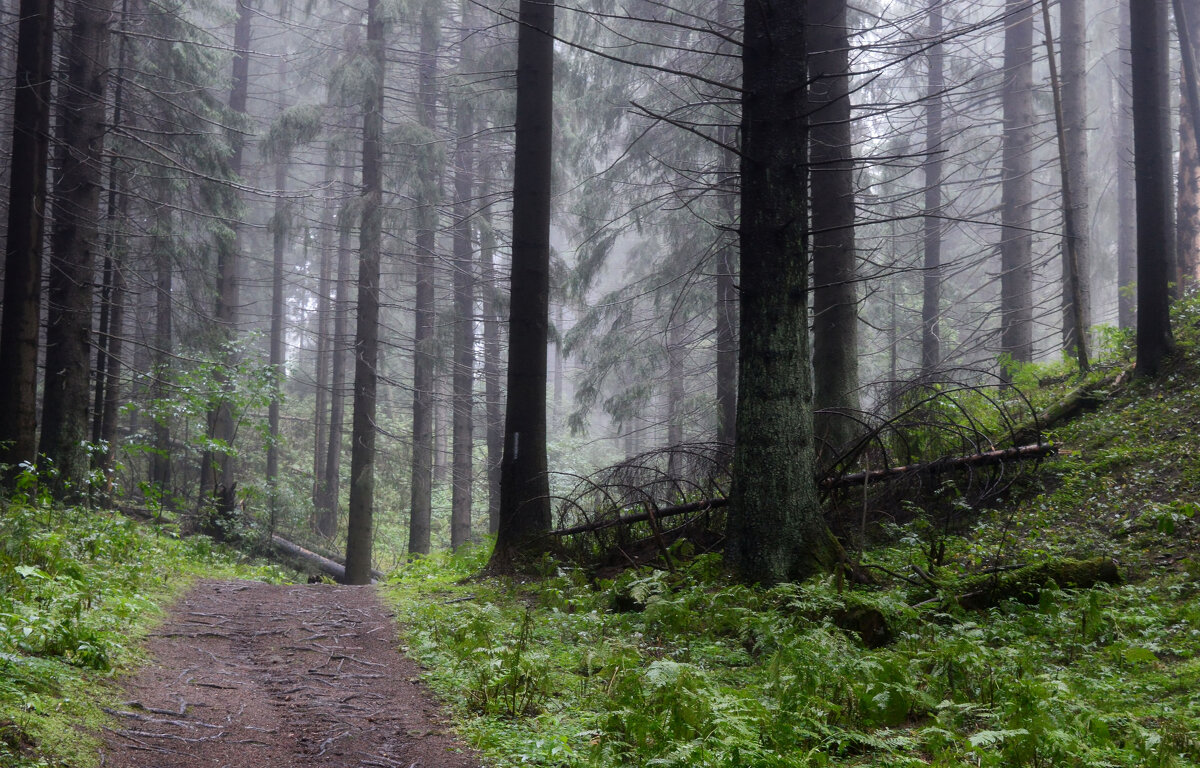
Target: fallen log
[[984, 459], [987, 458], [1074, 403], [322, 564], [1025, 584]]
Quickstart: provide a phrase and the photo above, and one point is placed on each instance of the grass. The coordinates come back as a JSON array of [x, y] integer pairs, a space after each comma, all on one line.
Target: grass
[[78, 590], [689, 669]]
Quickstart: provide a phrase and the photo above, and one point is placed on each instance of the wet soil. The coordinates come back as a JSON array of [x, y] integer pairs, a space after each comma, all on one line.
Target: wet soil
[[249, 675]]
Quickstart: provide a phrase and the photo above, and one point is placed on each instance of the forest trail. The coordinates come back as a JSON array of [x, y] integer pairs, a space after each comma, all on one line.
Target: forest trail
[[251, 675]]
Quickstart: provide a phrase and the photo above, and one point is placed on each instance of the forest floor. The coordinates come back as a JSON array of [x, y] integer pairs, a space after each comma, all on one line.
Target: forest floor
[[256, 675]]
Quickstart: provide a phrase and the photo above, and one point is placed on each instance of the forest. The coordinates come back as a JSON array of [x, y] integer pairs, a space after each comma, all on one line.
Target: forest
[[583, 383]]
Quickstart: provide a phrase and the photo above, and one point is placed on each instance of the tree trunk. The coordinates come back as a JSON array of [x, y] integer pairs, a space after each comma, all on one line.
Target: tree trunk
[[1074, 282], [464, 306], [21, 311], [1016, 240], [726, 271], [218, 468], [324, 351], [278, 227], [327, 510], [1077, 252], [74, 238], [366, 338], [424, 340], [831, 164], [494, 409], [931, 297], [160, 461], [1188, 203], [1152, 163], [112, 311], [524, 485], [776, 531], [1126, 201]]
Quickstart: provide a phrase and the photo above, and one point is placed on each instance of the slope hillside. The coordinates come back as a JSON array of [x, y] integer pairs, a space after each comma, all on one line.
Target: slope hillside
[[977, 648]]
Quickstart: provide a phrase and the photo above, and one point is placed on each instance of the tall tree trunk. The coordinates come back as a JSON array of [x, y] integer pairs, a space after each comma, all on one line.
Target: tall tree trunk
[[1187, 20], [112, 311], [1016, 240], [1076, 253], [21, 311], [323, 352], [559, 362], [464, 315], [1126, 201], [493, 407], [278, 227], [524, 484], [931, 277], [366, 338], [726, 270], [1074, 282], [74, 238], [775, 530], [163, 248], [331, 491], [831, 163], [219, 467], [1152, 158], [424, 340]]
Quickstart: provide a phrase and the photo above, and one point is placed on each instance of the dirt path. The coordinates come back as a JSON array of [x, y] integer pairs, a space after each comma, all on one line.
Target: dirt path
[[248, 675]]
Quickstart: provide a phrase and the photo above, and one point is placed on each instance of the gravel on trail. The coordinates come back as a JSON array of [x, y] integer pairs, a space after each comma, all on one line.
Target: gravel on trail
[[250, 675]]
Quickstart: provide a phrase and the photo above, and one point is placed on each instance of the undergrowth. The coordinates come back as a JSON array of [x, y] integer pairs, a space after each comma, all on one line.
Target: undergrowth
[[686, 668], [78, 589]]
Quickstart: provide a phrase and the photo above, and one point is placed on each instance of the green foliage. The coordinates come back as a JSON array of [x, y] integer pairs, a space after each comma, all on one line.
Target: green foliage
[[77, 588]]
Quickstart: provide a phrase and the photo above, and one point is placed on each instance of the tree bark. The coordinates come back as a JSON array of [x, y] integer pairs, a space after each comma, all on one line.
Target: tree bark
[[931, 279], [366, 339], [21, 311], [1016, 240], [524, 485], [424, 341], [834, 270], [776, 531], [1152, 163]]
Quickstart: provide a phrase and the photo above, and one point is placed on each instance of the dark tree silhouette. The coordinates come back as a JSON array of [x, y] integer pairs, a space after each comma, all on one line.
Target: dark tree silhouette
[[1152, 170], [524, 485]]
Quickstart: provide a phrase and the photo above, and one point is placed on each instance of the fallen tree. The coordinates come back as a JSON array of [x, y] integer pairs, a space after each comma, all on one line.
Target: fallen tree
[[984, 459], [313, 561], [1074, 403]]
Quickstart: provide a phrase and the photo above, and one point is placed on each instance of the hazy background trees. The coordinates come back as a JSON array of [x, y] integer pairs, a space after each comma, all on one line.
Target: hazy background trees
[[215, 218]]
